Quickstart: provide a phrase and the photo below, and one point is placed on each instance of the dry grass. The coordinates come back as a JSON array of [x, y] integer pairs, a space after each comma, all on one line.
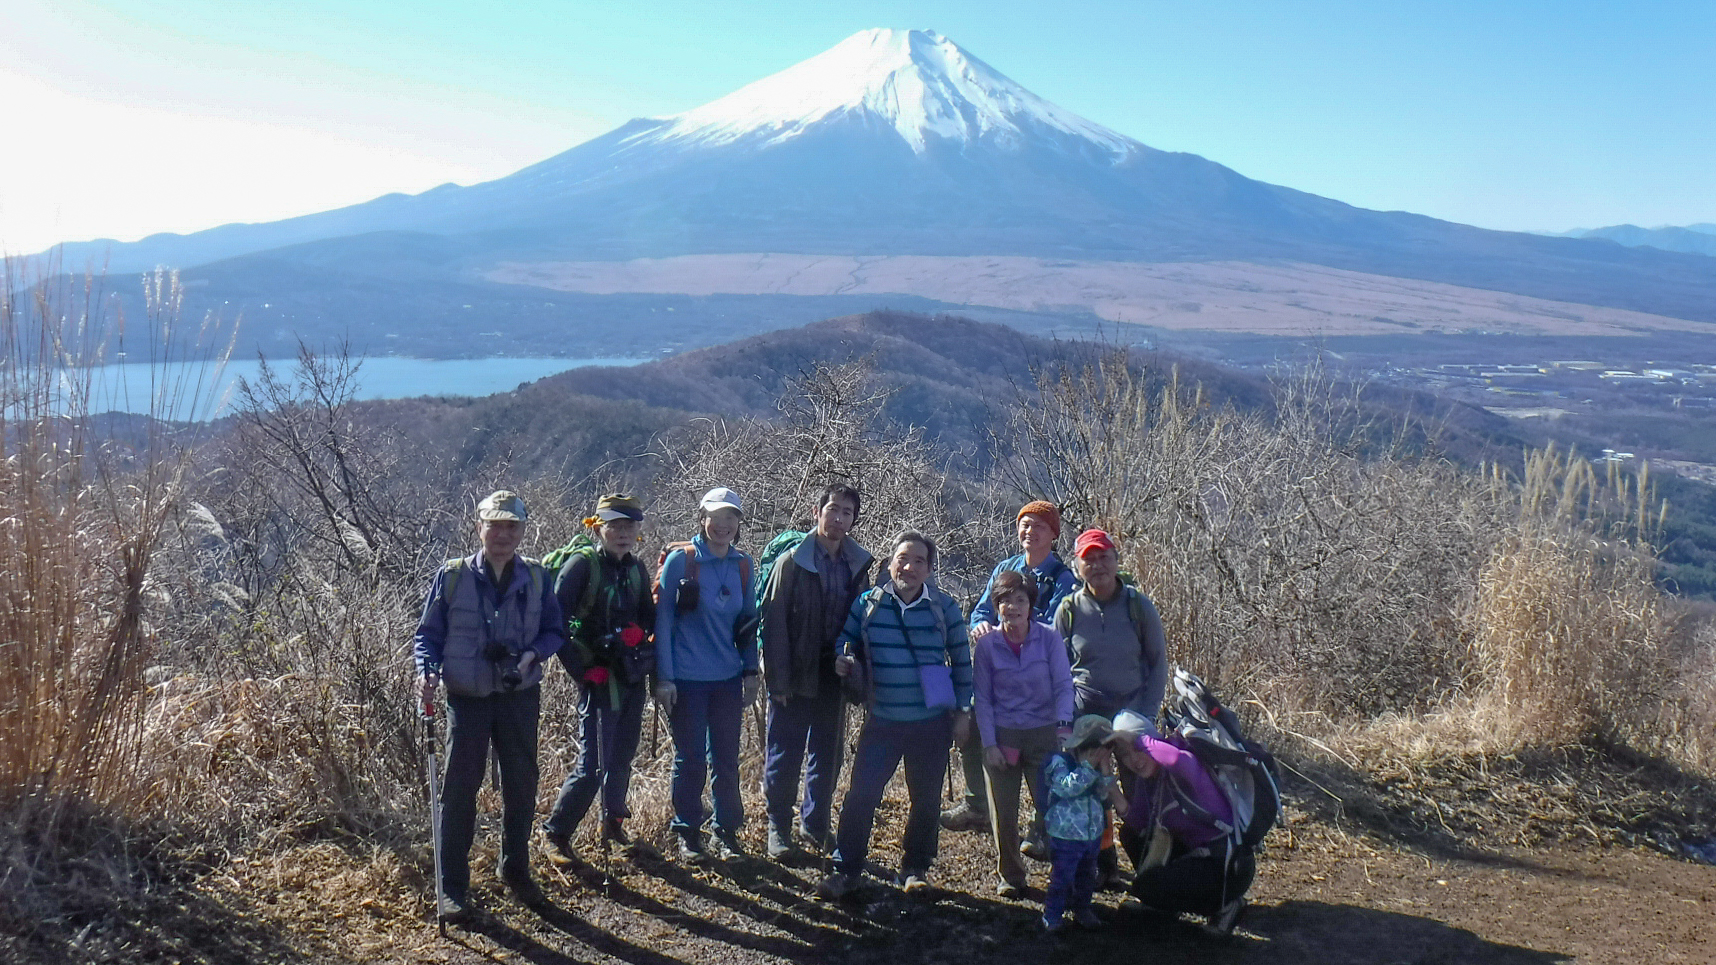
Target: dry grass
[[1438, 649]]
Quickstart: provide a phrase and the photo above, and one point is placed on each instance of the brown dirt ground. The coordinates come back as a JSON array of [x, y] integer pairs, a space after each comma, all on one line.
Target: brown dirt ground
[[1322, 896]]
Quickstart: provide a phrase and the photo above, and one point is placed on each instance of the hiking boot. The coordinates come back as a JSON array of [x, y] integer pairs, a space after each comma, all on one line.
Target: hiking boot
[[819, 844], [614, 835], [782, 848], [728, 847], [525, 889], [691, 850], [1053, 926], [1035, 848], [1223, 922], [1010, 889], [561, 853], [836, 886], [1087, 919], [913, 882], [454, 908], [964, 818]]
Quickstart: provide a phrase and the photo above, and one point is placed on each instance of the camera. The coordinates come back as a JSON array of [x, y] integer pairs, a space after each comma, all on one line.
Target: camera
[[498, 654]]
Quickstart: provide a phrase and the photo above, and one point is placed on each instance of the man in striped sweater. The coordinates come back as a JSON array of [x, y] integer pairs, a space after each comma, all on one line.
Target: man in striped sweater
[[908, 638]]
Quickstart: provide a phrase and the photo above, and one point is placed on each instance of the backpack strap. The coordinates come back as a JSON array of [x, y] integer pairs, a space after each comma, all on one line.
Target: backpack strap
[[455, 570], [1064, 616]]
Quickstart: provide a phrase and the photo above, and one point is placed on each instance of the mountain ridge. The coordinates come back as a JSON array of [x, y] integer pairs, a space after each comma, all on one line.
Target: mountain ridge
[[982, 168]]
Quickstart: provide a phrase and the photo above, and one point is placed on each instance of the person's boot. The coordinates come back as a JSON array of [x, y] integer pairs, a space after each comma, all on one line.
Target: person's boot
[[525, 889], [560, 851], [455, 908], [781, 846], [727, 846], [964, 818], [691, 850]]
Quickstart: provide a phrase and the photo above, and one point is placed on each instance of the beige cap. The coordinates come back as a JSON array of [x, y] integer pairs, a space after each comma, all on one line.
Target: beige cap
[[502, 504]]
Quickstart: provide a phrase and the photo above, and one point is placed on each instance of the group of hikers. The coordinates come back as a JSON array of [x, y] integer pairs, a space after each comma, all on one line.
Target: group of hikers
[[1055, 683]]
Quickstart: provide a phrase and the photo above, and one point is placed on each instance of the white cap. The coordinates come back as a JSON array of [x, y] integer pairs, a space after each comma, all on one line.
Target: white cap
[[722, 498]]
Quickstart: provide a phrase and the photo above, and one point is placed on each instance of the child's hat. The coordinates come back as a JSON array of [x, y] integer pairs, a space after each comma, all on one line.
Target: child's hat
[[1088, 731]]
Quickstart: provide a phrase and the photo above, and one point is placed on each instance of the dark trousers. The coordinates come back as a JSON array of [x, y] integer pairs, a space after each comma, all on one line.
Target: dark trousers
[[610, 740], [1196, 881], [508, 721], [706, 719], [1072, 876], [883, 744], [971, 764], [804, 724]]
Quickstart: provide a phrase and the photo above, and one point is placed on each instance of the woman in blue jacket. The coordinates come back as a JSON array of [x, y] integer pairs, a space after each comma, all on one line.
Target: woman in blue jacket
[[706, 671]]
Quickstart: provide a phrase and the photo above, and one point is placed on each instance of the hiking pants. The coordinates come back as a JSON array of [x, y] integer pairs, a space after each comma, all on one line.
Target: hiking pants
[[508, 721], [816, 724], [706, 718], [609, 735], [1035, 745], [923, 745], [1195, 881], [971, 763], [1072, 876]]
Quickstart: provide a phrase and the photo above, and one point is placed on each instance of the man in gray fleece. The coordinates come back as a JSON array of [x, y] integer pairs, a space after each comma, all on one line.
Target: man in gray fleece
[[1118, 652]]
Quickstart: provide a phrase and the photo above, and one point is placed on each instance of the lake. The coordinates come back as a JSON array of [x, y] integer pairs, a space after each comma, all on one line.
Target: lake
[[126, 387]]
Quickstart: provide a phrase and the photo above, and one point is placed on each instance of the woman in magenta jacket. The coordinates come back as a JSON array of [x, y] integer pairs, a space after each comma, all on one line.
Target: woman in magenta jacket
[[1183, 853]]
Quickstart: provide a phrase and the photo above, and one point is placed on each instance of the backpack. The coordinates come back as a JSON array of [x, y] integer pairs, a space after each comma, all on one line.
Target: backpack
[[1134, 607], [857, 682], [689, 589], [782, 545], [1244, 770]]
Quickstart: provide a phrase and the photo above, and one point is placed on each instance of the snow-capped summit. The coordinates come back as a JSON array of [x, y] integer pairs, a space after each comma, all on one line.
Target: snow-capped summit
[[922, 84]]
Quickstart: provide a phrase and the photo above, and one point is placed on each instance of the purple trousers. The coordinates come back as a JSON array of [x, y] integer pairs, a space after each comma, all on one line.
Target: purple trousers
[[1072, 876]]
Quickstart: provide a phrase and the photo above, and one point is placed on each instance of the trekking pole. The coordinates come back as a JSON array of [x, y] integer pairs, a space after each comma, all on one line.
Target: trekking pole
[[655, 730], [428, 713]]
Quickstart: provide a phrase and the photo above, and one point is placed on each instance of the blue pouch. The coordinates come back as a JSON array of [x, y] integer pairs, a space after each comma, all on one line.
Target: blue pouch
[[937, 681]]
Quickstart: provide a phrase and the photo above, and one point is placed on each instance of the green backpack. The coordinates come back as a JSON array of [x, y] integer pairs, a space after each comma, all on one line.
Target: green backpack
[[781, 545], [582, 545]]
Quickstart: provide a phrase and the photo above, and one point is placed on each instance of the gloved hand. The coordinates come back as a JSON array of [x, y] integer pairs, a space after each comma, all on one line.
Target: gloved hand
[[665, 694], [753, 685]]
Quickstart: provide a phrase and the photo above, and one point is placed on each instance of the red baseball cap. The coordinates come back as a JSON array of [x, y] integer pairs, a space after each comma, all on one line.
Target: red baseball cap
[[1091, 539]]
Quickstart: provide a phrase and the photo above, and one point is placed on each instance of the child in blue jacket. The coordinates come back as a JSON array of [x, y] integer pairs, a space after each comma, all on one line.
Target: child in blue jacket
[[1080, 785]]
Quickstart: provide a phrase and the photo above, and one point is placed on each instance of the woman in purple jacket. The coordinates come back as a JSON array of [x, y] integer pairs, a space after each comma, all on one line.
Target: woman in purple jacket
[[1023, 700], [1184, 859]]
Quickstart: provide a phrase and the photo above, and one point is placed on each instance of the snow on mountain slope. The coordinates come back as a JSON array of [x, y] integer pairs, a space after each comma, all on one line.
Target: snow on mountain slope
[[919, 82]]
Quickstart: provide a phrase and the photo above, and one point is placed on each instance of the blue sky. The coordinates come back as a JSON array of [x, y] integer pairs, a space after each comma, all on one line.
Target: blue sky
[[149, 115]]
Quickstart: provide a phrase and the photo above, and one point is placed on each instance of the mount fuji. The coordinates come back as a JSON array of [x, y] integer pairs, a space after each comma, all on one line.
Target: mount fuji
[[900, 166]]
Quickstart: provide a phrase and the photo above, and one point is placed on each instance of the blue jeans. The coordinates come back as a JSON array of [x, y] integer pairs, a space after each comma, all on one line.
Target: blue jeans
[[815, 723], [508, 720], [610, 740], [923, 745], [705, 722], [1072, 876]]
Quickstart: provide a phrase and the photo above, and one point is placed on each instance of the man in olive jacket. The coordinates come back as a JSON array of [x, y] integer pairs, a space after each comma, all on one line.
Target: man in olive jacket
[[803, 608]]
